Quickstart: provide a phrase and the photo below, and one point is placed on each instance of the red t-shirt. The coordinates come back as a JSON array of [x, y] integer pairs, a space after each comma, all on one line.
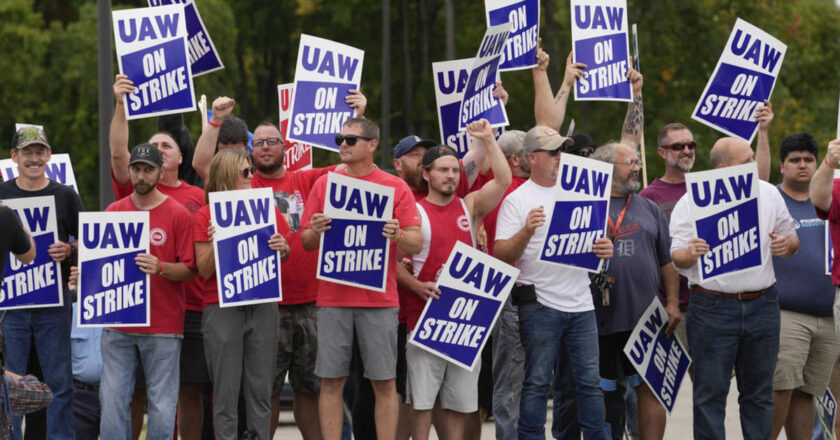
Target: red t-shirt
[[192, 197], [201, 221], [290, 193], [833, 217], [339, 295], [170, 228], [488, 225], [442, 227]]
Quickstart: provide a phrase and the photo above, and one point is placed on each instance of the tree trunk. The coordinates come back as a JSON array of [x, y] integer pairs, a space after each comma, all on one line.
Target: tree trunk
[[385, 138]]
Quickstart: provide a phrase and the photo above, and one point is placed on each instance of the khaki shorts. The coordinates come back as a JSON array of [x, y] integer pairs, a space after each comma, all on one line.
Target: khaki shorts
[[808, 350], [430, 376], [375, 330]]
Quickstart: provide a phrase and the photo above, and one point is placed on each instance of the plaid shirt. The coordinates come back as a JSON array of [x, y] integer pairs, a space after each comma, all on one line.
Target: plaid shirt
[[21, 396]]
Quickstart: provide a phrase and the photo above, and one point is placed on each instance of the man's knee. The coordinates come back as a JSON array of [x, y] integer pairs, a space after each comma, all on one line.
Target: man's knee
[[332, 385], [384, 387]]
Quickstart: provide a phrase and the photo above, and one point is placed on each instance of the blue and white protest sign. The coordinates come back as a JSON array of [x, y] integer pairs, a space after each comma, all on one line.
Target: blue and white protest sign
[[724, 212], [826, 408], [477, 101], [152, 51], [204, 58], [520, 50], [599, 40], [58, 168], [247, 270], [450, 79], [661, 360], [113, 291], [353, 251], [473, 288], [743, 78], [580, 212], [37, 284], [326, 72]]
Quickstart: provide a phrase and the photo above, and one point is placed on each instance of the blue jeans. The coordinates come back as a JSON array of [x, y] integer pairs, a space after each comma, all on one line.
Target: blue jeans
[[724, 333], [160, 356], [508, 372], [543, 331], [51, 328]]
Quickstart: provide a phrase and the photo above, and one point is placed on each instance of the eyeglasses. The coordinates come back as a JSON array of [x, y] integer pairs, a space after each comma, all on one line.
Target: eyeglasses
[[257, 143], [248, 172], [679, 146], [350, 139], [630, 162]]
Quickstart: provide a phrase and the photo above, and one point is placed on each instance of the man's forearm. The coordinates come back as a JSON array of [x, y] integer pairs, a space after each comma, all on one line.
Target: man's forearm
[[634, 121]]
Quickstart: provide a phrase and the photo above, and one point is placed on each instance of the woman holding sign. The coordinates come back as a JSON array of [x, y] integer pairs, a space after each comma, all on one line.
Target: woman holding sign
[[240, 342]]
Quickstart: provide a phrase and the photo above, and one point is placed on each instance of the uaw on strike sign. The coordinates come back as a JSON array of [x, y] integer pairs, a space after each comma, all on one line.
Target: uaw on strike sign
[[37, 284], [353, 251], [152, 51], [473, 288], [599, 40], [744, 77], [113, 291], [724, 211], [247, 270]]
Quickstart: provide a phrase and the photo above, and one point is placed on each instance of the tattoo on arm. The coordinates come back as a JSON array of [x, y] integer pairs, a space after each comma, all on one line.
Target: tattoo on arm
[[635, 117], [470, 168], [560, 96]]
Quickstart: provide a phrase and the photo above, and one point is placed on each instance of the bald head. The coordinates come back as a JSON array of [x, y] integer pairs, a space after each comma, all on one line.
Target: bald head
[[730, 151]]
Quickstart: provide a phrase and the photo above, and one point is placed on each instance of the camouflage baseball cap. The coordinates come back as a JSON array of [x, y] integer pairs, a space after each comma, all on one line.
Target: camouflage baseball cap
[[27, 136]]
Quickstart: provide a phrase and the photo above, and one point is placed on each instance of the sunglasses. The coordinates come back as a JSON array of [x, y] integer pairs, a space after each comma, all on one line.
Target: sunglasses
[[679, 146], [350, 139], [248, 172], [257, 143]]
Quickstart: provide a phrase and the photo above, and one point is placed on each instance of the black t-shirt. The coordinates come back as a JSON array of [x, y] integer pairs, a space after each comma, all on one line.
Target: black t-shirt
[[14, 238], [67, 208]]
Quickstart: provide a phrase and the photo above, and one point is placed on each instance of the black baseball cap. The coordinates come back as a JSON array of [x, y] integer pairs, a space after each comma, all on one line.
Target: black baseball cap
[[435, 153], [146, 153]]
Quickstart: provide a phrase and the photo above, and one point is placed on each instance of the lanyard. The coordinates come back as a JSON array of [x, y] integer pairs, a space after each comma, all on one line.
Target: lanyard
[[619, 220]]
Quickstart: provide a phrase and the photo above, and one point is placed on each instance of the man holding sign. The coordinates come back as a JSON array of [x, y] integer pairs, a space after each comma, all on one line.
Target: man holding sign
[[446, 219], [50, 326], [342, 308], [641, 263], [733, 320], [554, 302], [158, 346]]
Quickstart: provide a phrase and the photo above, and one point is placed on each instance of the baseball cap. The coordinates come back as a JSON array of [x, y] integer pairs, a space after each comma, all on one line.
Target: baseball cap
[[544, 138], [407, 143], [582, 143], [511, 142], [27, 136], [146, 153], [434, 153]]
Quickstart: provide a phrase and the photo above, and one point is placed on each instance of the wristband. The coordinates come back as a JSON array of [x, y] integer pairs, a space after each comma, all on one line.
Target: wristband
[[213, 124], [161, 269], [400, 237], [825, 161]]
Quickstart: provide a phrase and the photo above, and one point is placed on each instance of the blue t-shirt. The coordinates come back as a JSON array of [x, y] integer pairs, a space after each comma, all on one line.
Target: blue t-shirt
[[803, 285]]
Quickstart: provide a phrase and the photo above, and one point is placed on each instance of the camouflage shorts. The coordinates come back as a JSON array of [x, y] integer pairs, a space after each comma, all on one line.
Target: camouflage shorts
[[297, 349]]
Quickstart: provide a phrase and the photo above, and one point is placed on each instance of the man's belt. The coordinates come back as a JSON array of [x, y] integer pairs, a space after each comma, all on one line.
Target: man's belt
[[740, 295], [85, 386]]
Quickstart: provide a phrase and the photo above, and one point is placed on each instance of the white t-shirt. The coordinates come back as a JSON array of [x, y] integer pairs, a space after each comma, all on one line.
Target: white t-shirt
[[773, 216], [558, 287]]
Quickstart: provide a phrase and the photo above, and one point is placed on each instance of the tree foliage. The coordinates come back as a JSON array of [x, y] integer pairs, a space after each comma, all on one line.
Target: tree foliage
[[48, 70]]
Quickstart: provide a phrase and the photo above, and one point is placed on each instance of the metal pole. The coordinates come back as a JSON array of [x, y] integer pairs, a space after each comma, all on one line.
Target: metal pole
[[106, 100], [385, 138]]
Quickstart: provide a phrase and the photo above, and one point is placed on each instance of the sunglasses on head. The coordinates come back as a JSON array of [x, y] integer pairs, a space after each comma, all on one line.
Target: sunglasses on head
[[248, 171], [349, 139], [679, 146]]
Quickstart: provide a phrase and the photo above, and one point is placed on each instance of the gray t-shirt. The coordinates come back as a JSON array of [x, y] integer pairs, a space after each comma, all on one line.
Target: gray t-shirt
[[642, 244]]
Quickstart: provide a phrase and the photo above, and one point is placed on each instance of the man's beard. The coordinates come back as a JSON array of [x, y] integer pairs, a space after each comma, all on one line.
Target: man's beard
[[269, 168], [144, 188], [629, 186], [414, 179], [677, 164]]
